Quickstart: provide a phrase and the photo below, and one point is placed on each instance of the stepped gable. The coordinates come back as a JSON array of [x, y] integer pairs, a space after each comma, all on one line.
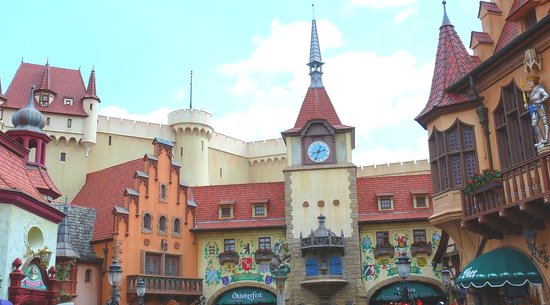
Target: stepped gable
[[81, 221], [401, 188], [208, 199], [452, 62], [64, 82], [103, 193], [510, 31], [491, 7]]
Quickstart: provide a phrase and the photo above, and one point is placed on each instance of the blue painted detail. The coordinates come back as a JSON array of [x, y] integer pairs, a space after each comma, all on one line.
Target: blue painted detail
[[312, 266], [336, 265]]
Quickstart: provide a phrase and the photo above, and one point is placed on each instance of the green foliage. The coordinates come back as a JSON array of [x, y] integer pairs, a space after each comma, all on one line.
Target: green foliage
[[486, 176], [64, 270]]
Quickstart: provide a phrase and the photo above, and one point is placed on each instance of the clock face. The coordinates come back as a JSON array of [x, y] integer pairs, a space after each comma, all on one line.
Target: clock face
[[318, 151]]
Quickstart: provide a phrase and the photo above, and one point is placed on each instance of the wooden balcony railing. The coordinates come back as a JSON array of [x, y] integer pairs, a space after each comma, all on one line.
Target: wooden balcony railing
[[157, 284], [518, 200]]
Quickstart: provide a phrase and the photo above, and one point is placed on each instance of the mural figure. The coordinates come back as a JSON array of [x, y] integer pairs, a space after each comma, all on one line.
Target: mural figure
[[535, 103], [281, 256], [33, 278]]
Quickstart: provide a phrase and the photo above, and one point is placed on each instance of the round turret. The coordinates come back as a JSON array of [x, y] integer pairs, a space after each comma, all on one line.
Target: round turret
[[29, 118], [193, 130]]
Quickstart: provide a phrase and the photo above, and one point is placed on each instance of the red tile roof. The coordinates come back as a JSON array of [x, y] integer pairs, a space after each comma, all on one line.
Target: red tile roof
[[91, 90], [520, 7], [102, 192], [2, 96], [402, 188], [509, 32], [42, 181], [317, 105], [491, 7], [452, 62], [13, 169], [482, 37], [64, 82], [208, 197]]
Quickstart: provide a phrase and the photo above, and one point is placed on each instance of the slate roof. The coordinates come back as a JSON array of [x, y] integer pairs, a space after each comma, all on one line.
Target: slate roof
[[64, 82], [102, 192], [452, 62], [401, 189], [241, 196], [81, 223]]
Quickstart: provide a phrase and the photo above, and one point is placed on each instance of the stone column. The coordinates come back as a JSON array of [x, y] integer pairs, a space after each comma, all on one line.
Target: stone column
[[280, 280]]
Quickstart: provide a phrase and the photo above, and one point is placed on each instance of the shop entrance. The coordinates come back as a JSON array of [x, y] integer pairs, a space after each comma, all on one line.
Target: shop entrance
[[247, 295]]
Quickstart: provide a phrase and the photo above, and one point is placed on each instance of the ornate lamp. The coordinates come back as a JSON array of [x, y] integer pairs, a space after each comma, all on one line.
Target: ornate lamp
[[115, 276], [446, 277], [44, 255], [403, 266], [140, 290]]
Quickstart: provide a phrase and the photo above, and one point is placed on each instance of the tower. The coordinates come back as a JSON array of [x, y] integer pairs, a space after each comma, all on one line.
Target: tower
[[193, 129], [90, 103], [321, 197]]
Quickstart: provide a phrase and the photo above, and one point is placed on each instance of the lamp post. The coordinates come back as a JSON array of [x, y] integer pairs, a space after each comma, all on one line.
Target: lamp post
[[140, 290], [404, 270], [446, 279], [115, 276]]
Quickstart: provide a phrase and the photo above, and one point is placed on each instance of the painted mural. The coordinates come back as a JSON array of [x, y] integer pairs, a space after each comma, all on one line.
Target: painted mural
[[247, 263], [379, 267]]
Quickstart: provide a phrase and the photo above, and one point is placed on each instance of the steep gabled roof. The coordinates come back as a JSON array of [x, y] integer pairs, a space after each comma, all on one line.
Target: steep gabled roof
[[401, 189], [452, 62], [42, 181], [491, 7], [66, 83], [81, 224], [103, 193], [241, 196], [510, 31], [481, 37]]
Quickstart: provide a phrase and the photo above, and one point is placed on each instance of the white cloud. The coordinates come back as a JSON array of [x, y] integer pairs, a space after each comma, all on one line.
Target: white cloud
[[159, 116], [381, 4], [383, 155], [178, 94], [403, 15]]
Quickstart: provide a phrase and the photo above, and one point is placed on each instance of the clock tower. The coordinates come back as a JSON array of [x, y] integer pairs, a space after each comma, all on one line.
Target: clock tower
[[321, 199]]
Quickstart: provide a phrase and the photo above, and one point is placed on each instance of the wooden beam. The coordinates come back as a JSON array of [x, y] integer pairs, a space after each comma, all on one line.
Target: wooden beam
[[482, 230], [536, 210], [500, 224], [525, 220]]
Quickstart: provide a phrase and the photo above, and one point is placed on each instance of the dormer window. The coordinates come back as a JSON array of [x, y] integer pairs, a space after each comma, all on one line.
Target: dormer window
[[385, 201], [529, 19], [226, 209], [259, 208], [420, 199], [68, 101], [44, 100]]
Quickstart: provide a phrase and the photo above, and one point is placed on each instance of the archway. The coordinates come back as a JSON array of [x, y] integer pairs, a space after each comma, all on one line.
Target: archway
[[244, 294], [416, 290]]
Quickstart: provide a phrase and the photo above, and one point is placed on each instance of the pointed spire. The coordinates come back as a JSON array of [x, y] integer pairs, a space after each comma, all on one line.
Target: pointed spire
[[91, 90], [47, 78], [64, 246], [452, 62], [315, 62], [446, 20]]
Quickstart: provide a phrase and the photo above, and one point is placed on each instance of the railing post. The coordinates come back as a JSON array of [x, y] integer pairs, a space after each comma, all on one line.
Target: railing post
[[544, 168]]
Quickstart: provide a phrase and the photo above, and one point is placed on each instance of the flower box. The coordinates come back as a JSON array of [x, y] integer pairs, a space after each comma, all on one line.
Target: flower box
[[263, 255], [228, 257], [421, 247], [384, 249]]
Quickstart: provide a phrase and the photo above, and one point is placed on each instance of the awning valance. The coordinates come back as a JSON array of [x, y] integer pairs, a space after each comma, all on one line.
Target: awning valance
[[499, 267], [419, 291]]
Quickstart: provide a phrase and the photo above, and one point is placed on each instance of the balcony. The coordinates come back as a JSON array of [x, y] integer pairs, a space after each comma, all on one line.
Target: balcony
[[519, 200], [324, 285], [165, 285], [228, 257]]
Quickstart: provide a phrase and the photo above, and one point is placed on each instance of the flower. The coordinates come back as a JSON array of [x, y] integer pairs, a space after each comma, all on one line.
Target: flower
[[486, 176]]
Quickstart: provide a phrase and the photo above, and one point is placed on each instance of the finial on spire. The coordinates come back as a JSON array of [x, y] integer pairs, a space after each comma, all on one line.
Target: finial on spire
[[47, 61], [315, 62], [445, 17], [191, 90], [313, 11]]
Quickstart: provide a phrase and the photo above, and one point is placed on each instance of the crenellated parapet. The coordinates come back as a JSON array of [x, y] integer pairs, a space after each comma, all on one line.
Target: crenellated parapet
[[399, 168], [191, 122]]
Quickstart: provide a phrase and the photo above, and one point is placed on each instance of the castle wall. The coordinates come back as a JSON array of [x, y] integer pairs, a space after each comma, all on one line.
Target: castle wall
[[391, 169], [226, 168], [69, 175]]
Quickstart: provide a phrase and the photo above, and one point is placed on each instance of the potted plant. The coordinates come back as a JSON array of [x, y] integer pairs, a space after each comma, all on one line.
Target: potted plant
[[384, 248], [228, 256], [264, 254], [486, 176]]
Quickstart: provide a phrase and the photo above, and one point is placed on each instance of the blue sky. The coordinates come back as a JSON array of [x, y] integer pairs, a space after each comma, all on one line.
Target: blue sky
[[249, 60]]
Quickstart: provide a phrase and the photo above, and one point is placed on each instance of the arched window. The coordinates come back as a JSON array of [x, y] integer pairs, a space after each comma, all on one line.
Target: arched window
[[177, 226], [163, 194], [88, 276], [147, 221], [452, 156], [335, 265], [162, 224]]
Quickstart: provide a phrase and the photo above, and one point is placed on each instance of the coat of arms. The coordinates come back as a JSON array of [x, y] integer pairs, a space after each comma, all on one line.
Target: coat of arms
[[246, 263]]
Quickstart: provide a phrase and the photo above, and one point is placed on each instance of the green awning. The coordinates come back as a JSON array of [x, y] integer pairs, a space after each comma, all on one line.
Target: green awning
[[390, 292], [246, 295], [499, 267]]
